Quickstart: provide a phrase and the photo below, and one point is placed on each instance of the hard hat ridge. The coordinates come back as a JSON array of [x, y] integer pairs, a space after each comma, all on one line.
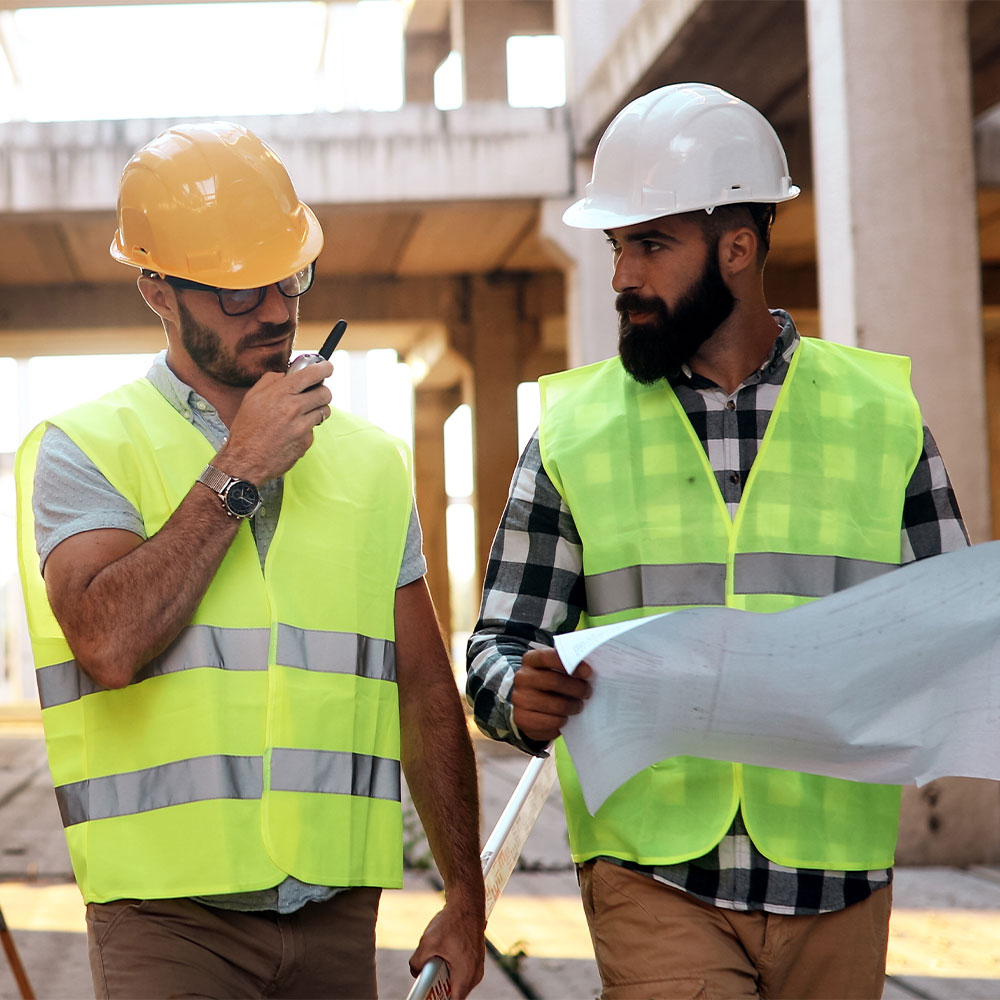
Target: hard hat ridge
[[682, 148]]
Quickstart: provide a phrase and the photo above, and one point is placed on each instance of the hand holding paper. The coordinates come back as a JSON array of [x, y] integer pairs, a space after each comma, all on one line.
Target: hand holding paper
[[896, 680]]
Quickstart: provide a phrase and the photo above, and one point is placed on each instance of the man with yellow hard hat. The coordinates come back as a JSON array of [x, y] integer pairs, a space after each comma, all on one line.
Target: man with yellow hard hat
[[235, 647], [720, 459]]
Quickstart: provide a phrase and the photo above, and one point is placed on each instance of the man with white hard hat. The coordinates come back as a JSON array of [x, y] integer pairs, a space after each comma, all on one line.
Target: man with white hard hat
[[235, 647], [720, 459]]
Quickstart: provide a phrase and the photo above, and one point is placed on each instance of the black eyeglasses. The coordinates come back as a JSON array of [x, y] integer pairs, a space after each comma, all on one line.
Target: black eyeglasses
[[239, 301]]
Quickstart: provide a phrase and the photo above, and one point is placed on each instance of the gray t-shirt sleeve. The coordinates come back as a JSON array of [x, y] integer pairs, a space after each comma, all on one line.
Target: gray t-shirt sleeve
[[72, 495], [414, 564]]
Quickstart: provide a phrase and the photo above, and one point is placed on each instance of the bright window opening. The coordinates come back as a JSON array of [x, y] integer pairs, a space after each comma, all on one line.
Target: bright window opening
[[448, 89], [536, 71], [201, 59]]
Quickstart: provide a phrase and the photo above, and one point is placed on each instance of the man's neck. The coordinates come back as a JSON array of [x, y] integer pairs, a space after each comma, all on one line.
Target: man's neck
[[736, 350], [225, 398]]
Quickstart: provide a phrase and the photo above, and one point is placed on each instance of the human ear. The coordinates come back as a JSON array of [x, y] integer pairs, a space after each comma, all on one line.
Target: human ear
[[738, 251], [160, 297]]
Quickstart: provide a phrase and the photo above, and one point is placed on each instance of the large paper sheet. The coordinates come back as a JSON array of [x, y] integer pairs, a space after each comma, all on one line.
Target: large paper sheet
[[896, 680]]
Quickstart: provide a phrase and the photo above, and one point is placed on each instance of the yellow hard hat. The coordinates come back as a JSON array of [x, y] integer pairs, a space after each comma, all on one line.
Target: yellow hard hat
[[213, 203]]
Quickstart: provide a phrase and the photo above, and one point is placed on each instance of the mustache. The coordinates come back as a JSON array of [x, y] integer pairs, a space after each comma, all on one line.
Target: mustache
[[268, 333], [627, 302]]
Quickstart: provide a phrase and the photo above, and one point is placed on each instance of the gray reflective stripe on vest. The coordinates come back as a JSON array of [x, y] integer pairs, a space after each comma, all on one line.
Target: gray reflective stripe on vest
[[335, 772], [193, 780], [337, 653], [801, 575], [655, 586], [195, 646]]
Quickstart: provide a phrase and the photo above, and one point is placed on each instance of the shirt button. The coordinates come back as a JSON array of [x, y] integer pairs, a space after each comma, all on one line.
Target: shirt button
[[731, 404], [202, 405], [734, 477]]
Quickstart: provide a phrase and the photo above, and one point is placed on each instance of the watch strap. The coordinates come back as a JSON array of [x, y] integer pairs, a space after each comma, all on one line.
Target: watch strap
[[215, 479]]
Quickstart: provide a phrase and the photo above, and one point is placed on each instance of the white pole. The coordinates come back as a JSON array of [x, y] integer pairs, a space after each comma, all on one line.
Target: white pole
[[502, 849]]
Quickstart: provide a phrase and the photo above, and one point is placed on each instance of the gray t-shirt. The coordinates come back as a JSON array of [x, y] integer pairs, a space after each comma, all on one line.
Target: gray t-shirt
[[71, 495]]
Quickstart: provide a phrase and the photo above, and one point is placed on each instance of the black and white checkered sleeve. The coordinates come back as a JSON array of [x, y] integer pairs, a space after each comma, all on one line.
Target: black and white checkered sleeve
[[533, 590], [932, 521]]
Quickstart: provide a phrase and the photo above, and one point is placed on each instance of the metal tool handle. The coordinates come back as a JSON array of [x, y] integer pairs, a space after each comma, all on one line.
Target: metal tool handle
[[500, 854], [432, 983]]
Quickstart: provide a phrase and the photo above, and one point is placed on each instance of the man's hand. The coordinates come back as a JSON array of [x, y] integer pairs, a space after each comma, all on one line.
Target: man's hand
[[545, 696], [457, 934], [274, 425]]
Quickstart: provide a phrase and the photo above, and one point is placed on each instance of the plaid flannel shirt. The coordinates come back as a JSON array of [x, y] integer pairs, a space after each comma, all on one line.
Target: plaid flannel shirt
[[534, 590]]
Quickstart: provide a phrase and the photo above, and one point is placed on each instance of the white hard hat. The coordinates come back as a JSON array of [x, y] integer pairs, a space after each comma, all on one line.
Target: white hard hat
[[678, 149]]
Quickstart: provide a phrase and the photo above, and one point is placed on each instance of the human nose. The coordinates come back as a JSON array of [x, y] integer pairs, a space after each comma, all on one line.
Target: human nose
[[275, 308], [627, 276]]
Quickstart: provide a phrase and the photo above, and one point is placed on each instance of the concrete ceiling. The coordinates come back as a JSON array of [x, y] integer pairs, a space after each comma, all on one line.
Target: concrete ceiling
[[757, 50]]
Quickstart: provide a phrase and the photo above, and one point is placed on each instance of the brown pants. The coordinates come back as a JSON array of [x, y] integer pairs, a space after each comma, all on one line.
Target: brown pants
[[158, 948], [652, 941]]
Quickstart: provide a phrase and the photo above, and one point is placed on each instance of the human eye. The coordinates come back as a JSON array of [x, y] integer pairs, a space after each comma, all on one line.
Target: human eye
[[613, 243]]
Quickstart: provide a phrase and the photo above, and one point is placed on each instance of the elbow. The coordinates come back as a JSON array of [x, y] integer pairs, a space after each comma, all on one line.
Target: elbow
[[103, 667]]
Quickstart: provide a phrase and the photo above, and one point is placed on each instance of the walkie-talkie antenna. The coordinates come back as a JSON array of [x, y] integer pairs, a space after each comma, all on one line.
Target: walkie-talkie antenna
[[330, 344]]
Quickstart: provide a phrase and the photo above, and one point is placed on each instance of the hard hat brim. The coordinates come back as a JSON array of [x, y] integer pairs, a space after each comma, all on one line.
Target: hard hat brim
[[583, 215], [310, 249]]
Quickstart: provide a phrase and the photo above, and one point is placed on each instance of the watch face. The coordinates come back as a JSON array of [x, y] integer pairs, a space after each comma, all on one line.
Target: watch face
[[242, 498]]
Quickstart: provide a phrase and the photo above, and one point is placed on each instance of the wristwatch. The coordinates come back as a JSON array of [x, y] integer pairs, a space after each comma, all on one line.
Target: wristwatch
[[239, 497]]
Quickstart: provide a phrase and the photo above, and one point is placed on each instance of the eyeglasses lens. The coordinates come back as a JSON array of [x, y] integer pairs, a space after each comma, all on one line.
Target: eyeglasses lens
[[237, 301], [297, 284]]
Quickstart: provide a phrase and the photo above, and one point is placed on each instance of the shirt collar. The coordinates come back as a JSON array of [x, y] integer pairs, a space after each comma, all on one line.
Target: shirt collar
[[774, 367], [177, 393]]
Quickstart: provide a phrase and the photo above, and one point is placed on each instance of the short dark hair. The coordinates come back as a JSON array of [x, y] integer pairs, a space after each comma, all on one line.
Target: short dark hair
[[723, 218]]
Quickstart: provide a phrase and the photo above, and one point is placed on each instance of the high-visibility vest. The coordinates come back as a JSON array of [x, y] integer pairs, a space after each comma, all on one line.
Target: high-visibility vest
[[264, 741], [821, 510]]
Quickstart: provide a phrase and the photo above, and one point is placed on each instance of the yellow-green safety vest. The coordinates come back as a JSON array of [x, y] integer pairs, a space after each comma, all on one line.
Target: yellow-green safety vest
[[264, 741], [821, 509]]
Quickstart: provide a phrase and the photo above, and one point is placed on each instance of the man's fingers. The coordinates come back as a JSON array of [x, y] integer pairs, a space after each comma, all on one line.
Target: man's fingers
[[556, 682], [304, 379]]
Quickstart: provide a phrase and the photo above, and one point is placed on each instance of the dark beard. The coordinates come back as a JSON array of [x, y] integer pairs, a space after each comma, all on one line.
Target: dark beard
[[207, 351], [657, 349]]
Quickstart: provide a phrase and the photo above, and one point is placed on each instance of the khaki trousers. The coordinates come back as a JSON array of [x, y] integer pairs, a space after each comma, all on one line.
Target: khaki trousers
[[652, 941], [157, 948]]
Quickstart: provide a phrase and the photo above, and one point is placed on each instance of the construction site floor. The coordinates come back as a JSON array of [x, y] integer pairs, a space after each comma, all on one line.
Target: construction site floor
[[945, 930]]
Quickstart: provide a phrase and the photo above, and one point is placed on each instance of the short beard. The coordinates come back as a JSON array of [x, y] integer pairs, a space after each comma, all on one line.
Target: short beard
[[657, 349], [207, 351]]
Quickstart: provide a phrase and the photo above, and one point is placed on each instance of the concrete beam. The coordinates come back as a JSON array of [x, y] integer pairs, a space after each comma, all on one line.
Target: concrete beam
[[755, 50], [418, 153]]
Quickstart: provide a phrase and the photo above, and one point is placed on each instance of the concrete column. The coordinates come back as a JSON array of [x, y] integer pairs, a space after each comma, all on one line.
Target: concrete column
[[424, 52], [431, 408], [591, 320], [899, 271], [482, 40], [896, 210], [495, 352]]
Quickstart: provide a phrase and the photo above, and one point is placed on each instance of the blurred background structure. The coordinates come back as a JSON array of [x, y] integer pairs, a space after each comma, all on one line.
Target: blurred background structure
[[439, 142]]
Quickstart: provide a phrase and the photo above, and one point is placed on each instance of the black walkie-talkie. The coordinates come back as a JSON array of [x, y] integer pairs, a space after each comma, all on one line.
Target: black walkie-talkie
[[324, 353]]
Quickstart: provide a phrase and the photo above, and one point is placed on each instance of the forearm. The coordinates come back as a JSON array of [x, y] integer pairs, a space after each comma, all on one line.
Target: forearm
[[136, 605], [437, 756], [492, 662], [533, 590], [440, 769]]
